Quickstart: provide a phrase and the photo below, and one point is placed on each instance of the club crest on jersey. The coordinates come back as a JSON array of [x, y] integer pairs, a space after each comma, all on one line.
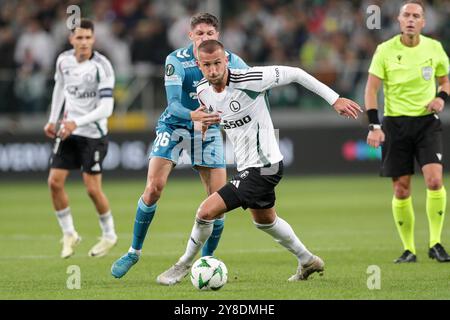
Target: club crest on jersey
[[244, 174], [427, 73], [170, 70], [235, 106], [88, 78]]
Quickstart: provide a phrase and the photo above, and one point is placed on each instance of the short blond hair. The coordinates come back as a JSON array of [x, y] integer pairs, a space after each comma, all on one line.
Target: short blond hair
[[210, 46], [418, 2]]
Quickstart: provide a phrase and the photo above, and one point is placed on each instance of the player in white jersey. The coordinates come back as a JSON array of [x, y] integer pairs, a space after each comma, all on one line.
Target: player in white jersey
[[239, 96], [84, 82]]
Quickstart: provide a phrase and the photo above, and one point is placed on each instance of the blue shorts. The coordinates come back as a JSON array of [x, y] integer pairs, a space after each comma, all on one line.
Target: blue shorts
[[172, 141]]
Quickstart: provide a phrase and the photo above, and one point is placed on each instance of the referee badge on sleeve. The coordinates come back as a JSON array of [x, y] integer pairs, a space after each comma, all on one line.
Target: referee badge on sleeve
[[427, 72]]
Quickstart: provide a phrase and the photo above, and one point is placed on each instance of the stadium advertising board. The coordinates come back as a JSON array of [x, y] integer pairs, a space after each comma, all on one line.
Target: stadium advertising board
[[306, 151]]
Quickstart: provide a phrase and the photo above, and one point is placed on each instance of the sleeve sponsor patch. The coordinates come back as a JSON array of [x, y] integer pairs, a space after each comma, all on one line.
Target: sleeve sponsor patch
[[170, 70], [173, 78]]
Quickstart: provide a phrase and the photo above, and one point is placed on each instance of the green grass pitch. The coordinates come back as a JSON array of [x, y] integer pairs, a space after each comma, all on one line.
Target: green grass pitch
[[347, 220]]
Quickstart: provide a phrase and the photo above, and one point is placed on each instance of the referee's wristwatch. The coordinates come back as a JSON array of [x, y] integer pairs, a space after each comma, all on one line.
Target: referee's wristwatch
[[373, 127]]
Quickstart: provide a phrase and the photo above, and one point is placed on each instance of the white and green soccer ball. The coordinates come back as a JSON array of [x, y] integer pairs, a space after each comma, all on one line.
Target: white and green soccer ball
[[209, 273]]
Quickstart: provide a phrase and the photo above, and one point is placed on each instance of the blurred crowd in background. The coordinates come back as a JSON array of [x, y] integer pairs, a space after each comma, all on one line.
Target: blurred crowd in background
[[330, 38]]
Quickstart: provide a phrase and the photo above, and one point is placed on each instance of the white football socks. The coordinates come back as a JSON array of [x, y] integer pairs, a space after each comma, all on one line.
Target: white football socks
[[200, 233], [65, 220], [132, 250], [107, 225], [282, 233]]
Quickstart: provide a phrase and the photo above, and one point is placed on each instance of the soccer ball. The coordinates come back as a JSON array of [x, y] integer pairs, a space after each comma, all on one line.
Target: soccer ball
[[209, 273]]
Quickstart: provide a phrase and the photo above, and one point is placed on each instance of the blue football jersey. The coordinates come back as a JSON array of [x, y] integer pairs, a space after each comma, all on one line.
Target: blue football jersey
[[181, 78]]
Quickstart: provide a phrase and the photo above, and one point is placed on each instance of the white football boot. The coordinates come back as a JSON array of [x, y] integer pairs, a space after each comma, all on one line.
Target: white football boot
[[102, 247], [69, 241], [316, 264], [174, 274]]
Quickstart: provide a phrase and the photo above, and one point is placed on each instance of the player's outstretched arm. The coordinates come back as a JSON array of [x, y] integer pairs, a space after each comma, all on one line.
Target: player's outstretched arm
[[282, 75], [347, 108]]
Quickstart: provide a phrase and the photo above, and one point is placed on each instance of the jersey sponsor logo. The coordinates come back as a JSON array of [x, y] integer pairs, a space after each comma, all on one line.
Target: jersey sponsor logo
[[189, 64], [427, 73], [73, 90], [170, 70], [232, 124], [235, 106], [86, 94], [183, 54], [244, 174], [193, 95], [277, 76]]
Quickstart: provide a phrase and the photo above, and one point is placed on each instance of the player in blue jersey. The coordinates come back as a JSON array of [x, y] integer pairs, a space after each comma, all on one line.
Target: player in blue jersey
[[175, 132]]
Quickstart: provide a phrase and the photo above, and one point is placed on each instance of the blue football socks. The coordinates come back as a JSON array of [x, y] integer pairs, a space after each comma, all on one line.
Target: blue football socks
[[144, 216]]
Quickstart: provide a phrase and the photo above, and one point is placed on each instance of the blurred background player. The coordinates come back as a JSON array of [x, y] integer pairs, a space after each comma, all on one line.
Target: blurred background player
[[84, 82], [240, 96], [175, 126], [407, 65]]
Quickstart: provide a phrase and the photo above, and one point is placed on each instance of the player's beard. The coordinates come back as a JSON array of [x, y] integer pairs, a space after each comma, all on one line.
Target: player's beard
[[217, 80]]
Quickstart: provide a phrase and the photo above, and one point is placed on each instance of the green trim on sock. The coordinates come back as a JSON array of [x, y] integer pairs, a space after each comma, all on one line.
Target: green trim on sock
[[403, 212]]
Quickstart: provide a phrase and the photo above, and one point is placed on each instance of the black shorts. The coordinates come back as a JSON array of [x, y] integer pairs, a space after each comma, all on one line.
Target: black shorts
[[79, 152], [409, 138], [252, 188]]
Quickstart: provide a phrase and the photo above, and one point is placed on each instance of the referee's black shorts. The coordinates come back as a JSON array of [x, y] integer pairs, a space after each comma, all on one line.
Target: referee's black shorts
[[252, 188], [409, 138], [80, 152]]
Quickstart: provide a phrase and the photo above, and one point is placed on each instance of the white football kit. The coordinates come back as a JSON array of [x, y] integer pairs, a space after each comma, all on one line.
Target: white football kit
[[86, 91], [244, 109]]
